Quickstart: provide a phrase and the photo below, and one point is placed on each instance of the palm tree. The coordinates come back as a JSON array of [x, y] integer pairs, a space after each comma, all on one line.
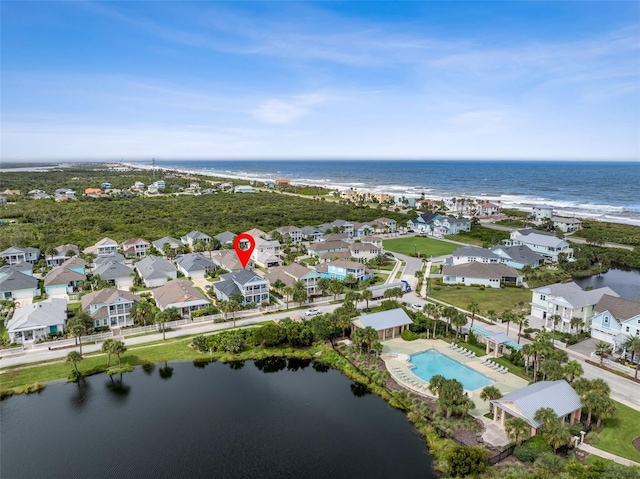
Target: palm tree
[[366, 295], [574, 323], [287, 292], [459, 319], [507, 317], [473, 308], [517, 429], [555, 320], [75, 357], [521, 320], [107, 347], [547, 416], [632, 343], [51, 252], [78, 326], [492, 315], [572, 370], [436, 313], [118, 349], [435, 384], [557, 435], [169, 314], [528, 352], [343, 322], [141, 312], [335, 287], [603, 349], [593, 400], [323, 285], [490, 393]]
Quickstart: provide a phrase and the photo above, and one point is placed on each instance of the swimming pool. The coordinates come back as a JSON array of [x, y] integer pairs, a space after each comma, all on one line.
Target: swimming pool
[[429, 363]]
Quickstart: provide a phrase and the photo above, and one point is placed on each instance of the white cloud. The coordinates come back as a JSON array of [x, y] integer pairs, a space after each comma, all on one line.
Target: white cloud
[[279, 111]]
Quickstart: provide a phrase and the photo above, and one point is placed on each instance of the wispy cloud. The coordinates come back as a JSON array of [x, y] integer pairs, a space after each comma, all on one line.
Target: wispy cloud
[[277, 110]]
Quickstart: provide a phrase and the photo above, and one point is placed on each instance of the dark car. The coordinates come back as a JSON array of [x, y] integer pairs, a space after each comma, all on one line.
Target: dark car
[[390, 255], [410, 231]]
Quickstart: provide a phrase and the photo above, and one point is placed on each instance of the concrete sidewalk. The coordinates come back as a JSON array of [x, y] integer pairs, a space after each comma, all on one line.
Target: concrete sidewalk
[[607, 455]]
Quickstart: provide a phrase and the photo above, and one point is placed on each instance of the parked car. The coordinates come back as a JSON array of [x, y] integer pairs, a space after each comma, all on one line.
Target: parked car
[[417, 307], [312, 312], [390, 255]]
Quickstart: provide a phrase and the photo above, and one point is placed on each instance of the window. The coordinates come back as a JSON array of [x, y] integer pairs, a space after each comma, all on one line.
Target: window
[[627, 329], [605, 320]]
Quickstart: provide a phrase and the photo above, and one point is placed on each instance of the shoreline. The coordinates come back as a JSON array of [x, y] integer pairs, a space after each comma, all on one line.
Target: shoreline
[[521, 203]]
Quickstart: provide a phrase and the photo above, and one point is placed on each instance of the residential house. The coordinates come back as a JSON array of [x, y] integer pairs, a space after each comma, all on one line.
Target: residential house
[[103, 247], [615, 319], [62, 254], [62, 281], [472, 254], [448, 225], [541, 212], [518, 256], [310, 233], [342, 268], [109, 258], [226, 238], [194, 236], [173, 243], [423, 223], [115, 273], [180, 294], [389, 324], [253, 288], [385, 225], [334, 255], [490, 275], [524, 403], [290, 232], [64, 193], [296, 272], [106, 186], [155, 271], [15, 255], [488, 209], [567, 300], [317, 249], [15, 285], [76, 264], [36, 321], [548, 246], [334, 237], [228, 259], [9, 192], [194, 265], [362, 229], [39, 195], [93, 192], [405, 201], [244, 189], [135, 247], [337, 225], [566, 225], [266, 253], [109, 307], [257, 234], [363, 252]]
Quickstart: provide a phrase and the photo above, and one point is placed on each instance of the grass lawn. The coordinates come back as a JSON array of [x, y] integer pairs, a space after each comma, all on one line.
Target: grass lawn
[[424, 246], [388, 266], [380, 278], [489, 298], [309, 261], [618, 433]]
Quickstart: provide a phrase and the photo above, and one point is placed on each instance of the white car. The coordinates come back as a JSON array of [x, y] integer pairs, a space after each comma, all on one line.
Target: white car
[[417, 307], [312, 312]]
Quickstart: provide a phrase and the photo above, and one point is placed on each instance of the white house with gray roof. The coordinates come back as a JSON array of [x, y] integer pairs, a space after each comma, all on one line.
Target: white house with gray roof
[[490, 275], [109, 307], [472, 254], [311, 233], [525, 402], [63, 253], [194, 265], [180, 294], [36, 321], [190, 238], [226, 238], [15, 255], [62, 281], [253, 288], [615, 319], [155, 271], [518, 256], [389, 324], [104, 247], [567, 300], [15, 285], [547, 245], [116, 274], [174, 244]]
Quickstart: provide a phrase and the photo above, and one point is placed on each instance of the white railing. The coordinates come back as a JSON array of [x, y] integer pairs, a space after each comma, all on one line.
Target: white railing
[[153, 327]]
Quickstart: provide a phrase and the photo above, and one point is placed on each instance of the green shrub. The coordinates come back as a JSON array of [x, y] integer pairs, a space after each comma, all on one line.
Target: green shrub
[[530, 450], [409, 335]]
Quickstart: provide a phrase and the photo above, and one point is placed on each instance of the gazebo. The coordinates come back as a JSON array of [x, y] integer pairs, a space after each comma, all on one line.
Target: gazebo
[[496, 342]]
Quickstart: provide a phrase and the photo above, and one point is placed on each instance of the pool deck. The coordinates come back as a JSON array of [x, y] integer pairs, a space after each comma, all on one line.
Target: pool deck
[[396, 352]]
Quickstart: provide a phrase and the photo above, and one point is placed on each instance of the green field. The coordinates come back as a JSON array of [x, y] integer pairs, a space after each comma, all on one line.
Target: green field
[[489, 298], [619, 433], [424, 246]]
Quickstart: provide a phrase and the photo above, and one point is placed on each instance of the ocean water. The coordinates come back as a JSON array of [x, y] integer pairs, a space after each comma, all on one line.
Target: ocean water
[[600, 190]]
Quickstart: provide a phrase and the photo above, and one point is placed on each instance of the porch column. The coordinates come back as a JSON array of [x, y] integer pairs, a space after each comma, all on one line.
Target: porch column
[[487, 349], [502, 417], [495, 413]]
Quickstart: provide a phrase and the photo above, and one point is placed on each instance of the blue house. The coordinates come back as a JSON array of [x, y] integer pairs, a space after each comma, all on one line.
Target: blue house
[[342, 268]]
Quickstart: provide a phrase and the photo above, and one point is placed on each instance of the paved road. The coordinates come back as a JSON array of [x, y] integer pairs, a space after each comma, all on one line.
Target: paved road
[[578, 240]]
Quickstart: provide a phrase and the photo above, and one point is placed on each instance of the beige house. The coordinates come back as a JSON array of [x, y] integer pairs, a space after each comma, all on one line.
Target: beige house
[[388, 324]]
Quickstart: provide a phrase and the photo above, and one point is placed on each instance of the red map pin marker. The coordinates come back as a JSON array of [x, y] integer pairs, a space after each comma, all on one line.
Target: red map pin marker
[[244, 254]]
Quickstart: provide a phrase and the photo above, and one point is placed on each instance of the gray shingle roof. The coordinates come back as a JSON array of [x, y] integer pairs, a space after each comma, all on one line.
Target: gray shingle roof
[[62, 275], [194, 262], [521, 254], [621, 309], [480, 270], [155, 267], [177, 291], [16, 281], [225, 237], [474, 251], [167, 239], [384, 319], [558, 395], [112, 271], [106, 296], [109, 258], [573, 295], [50, 312]]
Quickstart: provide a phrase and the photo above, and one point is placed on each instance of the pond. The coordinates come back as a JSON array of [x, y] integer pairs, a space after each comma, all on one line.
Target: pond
[[625, 282], [210, 420]]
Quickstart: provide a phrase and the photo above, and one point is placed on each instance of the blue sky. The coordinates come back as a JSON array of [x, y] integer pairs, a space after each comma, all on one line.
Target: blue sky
[[134, 80]]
